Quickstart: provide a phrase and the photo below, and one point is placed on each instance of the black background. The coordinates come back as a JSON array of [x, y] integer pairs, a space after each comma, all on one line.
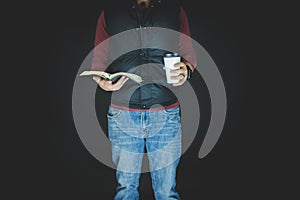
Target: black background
[[254, 157]]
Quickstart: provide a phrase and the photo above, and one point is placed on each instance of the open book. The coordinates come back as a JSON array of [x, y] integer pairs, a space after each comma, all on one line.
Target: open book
[[109, 76]]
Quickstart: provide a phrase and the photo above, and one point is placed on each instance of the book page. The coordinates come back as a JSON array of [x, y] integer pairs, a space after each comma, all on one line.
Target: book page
[[133, 77], [98, 73]]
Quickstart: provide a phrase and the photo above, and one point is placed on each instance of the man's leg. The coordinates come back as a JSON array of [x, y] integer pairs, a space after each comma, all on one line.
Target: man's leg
[[164, 151], [127, 152], [127, 173], [164, 182]]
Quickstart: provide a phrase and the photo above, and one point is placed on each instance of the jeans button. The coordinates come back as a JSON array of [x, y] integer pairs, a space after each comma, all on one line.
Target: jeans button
[[143, 106]]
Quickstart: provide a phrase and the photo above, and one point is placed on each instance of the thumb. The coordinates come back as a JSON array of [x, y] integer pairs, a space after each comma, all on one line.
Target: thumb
[[96, 79]]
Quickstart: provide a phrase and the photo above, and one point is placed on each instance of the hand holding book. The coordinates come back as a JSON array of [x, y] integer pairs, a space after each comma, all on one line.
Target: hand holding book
[[108, 86]]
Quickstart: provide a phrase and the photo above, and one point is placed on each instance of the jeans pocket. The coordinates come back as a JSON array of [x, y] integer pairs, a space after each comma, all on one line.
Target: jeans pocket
[[113, 113], [171, 111]]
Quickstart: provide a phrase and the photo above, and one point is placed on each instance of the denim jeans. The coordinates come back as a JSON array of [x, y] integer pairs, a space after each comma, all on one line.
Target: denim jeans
[[159, 132]]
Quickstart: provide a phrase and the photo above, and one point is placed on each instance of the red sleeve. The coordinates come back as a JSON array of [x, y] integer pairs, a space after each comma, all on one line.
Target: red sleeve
[[101, 52], [186, 49]]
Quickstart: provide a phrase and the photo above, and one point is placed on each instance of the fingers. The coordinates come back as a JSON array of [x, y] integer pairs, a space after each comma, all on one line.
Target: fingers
[[120, 83], [179, 71], [182, 73], [181, 79], [96, 79], [182, 69], [181, 65], [108, 85], [105, 85]]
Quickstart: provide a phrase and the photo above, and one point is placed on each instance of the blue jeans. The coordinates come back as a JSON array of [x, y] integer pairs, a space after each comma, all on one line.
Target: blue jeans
[[159, 132]]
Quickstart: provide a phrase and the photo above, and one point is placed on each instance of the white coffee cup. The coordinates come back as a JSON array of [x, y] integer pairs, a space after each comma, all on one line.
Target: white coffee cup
[[170, 60]]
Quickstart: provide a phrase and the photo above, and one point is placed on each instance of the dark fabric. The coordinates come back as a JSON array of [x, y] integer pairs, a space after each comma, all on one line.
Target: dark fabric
[[120, 18]]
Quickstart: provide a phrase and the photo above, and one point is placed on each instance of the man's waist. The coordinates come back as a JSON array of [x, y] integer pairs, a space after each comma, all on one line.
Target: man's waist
[[131, 106]]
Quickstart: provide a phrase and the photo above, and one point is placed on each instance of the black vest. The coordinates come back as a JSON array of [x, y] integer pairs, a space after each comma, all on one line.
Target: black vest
[[142, 60]]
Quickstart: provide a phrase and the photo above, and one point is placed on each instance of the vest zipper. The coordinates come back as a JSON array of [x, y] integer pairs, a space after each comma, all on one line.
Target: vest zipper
[[137, 9], [140, 21]]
